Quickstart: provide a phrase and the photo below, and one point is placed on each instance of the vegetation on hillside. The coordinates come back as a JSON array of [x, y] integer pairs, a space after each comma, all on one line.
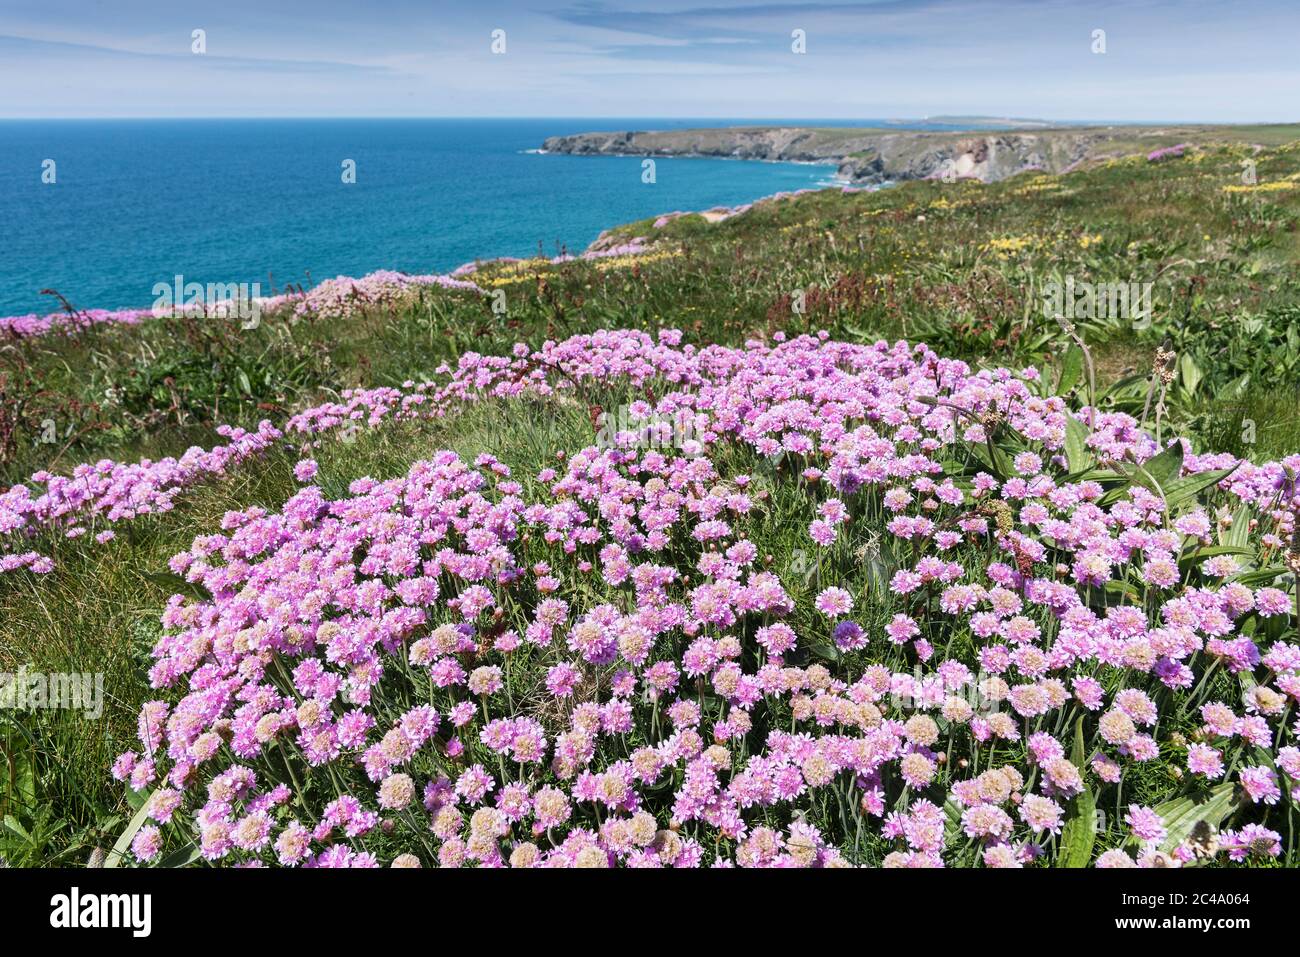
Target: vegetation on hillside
[[964, 267]]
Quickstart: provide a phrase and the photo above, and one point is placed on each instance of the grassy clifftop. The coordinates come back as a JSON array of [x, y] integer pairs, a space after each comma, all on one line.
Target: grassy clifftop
[[959, 265]]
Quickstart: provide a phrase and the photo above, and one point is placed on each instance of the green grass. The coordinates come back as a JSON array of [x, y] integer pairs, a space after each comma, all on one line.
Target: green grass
[[906, 261]]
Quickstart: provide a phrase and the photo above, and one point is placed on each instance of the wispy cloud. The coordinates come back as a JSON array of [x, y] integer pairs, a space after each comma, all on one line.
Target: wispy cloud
[[1165, 59], [48, 50]]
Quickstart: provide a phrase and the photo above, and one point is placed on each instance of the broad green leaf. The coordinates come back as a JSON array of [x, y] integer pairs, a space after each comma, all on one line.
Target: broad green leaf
[[1261, 577], [180, 585], [181, 857], [1163, 468], [880, 568], [1071, 370], [23, 779], [1076, 446], [1123, 589], [1183, 814], [999, 464], [952, 826], [12, 824], [1127, 382], [1210, 551], [825, 650], [1238, 533], [1102, 476], [1079, 832], [1189, 372], [1234, 389], [1185, 489]]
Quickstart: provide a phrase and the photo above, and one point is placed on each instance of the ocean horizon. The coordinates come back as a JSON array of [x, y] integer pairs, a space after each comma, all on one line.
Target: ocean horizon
[[134, 203]]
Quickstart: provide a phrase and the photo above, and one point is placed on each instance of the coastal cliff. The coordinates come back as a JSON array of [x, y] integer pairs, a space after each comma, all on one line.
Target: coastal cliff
[[867, 156]]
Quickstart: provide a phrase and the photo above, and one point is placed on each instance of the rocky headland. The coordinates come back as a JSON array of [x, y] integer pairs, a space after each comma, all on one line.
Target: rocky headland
[[870, 156]]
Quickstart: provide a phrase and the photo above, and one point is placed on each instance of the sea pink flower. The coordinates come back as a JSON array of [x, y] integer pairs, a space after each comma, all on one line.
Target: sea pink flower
[[833, 602]]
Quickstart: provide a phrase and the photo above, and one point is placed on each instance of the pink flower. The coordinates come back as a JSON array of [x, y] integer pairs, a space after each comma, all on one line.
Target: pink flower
[[833, 602], [1145, 824]]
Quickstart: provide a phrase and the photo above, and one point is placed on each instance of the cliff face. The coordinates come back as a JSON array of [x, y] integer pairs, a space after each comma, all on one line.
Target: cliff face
[[986, 158], [874, 156]]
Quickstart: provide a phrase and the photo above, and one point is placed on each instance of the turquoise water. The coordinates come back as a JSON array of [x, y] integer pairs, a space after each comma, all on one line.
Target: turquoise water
[[137, 202]]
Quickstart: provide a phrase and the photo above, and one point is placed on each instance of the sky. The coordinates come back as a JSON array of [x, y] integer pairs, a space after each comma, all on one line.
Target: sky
[[1164, 60]]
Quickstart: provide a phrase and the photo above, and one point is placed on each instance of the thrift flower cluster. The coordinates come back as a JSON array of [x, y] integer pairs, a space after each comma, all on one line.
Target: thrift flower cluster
[[1168, 152], [597, 665], [332, 297]]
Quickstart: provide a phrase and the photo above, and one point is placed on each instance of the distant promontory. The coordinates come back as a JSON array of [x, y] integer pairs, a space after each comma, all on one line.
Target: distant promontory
[[868, 155]]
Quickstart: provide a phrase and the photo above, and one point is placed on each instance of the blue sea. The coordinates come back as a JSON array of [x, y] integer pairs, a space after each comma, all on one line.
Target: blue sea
[[137, 202]]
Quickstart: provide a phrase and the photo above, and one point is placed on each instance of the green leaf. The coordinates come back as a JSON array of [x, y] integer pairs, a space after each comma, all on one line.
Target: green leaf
[[1163, 468], [1124, 590], [1103, 477], [119, 850], [880, 569], [1076, 446], [1183, 490], [181, 857], [1235, 389], [11, 823], [23, 780], [180, 585], [1128, 382], [1071, 370], [825, 650], [1183, 814], [1238, 533], [999, 463], [952, 824], [1079, 832], [1209, 551], [1262, 576], [1175, 491], [1189, 372]]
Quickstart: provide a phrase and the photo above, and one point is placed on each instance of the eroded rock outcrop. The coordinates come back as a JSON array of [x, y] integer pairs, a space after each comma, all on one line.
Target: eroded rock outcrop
[[874, 156]]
